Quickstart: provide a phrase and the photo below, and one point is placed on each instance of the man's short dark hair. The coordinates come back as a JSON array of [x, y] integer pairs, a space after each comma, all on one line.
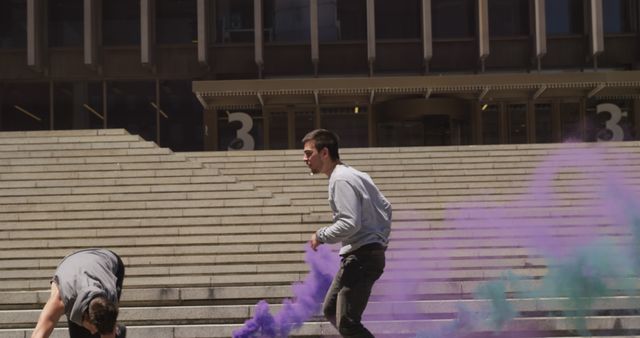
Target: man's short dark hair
[[103, 314], [324, 139]]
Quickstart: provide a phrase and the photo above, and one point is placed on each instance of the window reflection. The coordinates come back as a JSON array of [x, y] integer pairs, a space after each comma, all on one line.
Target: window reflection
[[176, 21], [570, 121], [234, 21], [351, 127], [517, 115], [65, 23], [129, 107], [25, 106], [78, 105], [453, 18], [620, 16], [304, 123], [182, 129], [544, 123], [508, 17], [286, 20], [490, 124], [278, 130], [13, 23], [342, 20], [121, 22], [397, 19], [564, 17]]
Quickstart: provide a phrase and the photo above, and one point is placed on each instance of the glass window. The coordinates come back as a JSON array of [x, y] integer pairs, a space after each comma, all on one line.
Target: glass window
[[286, 20], [401, 134], [609, 120], [65, 23], [508, 17], [77, 105], [490, 124], [453, 18], [351, 127], [25, 106], [304, 123], [342, 20], [240, 129], [517, 115], [570, 121], [234, 21], [121, 22], [176, 21], [398, 19], [13, 23], [544, 123], [278, 130], [130, 106], [564, 17], [182, 128], [620, 16]]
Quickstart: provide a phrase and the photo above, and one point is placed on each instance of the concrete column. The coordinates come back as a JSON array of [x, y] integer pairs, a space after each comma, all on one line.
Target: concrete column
[[147, 32], [597, 31], [203, 31], [36, 21], [427, 34], [541, 31], [258, 35], [371, 34], [92, 31], [483, 31]]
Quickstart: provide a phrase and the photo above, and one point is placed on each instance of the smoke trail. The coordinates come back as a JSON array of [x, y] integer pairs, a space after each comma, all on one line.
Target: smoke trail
[[309, 294]]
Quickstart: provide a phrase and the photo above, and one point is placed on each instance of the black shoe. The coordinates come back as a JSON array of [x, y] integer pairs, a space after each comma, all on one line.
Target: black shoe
[[121, 331]]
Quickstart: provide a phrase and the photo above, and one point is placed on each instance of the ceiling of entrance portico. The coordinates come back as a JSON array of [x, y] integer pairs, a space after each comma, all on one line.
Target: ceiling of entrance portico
[[361, 90]]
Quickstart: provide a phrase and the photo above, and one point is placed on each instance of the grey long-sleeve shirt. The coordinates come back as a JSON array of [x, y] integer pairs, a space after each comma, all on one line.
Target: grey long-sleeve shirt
[[361, 214]]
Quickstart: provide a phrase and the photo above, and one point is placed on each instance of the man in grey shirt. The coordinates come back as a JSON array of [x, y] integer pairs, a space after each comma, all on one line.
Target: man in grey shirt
[[86, 288], [361, 221]]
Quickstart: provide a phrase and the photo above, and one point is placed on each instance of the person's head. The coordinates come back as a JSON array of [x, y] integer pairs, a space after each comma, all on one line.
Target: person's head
[[321, 151], [101, 315]]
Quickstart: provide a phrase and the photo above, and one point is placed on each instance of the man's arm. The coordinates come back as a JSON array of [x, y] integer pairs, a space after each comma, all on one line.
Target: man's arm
[[51, 313], [347, 217]]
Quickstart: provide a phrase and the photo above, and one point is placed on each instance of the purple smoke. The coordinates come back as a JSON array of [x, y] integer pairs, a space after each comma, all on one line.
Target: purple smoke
[[309, 295], [573, 215]]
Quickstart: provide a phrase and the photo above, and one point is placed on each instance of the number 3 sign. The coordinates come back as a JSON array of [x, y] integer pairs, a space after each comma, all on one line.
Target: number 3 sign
[[612, 127], [243, 140]]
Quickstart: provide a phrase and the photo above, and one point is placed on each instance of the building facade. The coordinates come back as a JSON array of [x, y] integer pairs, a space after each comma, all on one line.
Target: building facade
[[259, 74]]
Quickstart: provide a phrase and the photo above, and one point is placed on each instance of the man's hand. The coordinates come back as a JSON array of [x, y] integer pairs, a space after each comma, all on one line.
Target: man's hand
[[314, 242]]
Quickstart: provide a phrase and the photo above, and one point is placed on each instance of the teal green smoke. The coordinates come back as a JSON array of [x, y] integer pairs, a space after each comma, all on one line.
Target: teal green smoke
[[587, 274], [500, 311]]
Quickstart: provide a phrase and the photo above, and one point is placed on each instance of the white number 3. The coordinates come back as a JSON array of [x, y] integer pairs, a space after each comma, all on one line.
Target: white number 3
[[243, 140], [616, 132]]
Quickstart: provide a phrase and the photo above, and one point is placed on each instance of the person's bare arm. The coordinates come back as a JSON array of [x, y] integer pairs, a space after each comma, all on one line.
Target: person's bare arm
[[51, 313]]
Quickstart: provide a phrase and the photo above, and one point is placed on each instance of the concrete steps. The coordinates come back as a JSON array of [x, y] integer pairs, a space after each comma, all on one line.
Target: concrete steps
[[206, 235]]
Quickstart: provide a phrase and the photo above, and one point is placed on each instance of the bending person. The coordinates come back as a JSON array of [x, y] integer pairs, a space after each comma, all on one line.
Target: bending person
[[86, 287]]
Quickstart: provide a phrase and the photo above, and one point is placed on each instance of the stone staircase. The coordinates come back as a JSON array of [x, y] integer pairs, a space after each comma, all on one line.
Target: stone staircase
[[207, 235]]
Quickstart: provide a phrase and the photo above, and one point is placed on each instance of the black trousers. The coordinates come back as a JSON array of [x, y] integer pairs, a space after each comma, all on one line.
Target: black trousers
[[77, 331], [349, 293]]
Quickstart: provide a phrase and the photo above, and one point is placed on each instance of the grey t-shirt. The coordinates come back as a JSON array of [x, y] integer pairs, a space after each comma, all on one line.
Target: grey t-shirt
[[83, 275]]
